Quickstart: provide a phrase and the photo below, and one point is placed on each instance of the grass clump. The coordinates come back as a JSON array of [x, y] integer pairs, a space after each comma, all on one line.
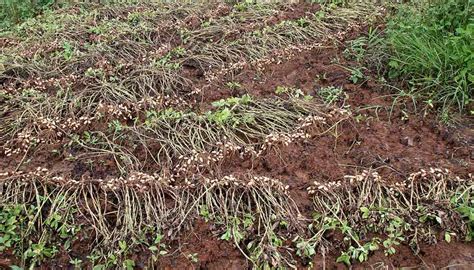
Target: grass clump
[[431, 49], [15, 11]]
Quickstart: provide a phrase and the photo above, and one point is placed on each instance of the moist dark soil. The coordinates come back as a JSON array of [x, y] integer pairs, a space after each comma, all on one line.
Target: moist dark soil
[[380, 136]]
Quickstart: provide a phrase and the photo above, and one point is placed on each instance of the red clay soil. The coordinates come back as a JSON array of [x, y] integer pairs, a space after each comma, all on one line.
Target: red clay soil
[[397, 147], [382, 141], [379, 140]]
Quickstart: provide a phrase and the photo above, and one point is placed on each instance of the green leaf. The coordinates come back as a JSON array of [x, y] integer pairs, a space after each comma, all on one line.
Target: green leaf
[[471, 78], [238, 236], [219, 103], [280, 90], [245, 99], [227, 235], [344, 258], [365, 212], [447, 237], [129, 264], [122, 245], [222, 116], [391, 251], [373, 247], [158, 238], [393, 64]]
